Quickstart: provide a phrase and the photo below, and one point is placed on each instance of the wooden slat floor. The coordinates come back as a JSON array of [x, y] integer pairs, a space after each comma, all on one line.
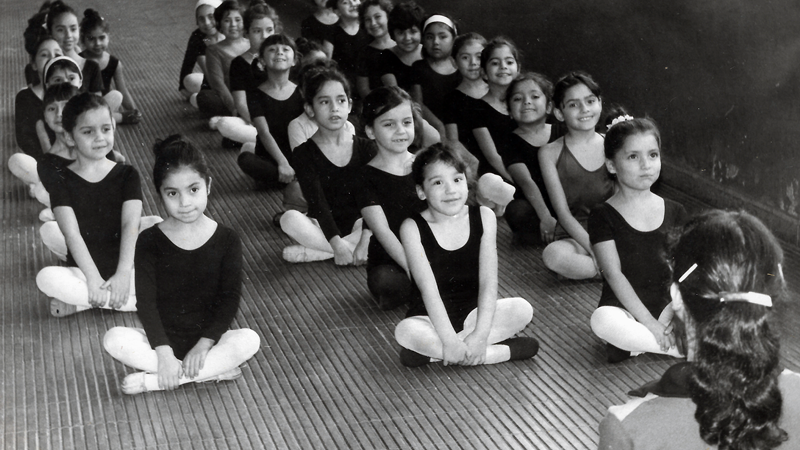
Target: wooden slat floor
[[327, 375]]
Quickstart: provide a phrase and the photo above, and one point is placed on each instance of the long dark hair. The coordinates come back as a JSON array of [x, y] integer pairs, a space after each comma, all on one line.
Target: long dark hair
[[735, 374]]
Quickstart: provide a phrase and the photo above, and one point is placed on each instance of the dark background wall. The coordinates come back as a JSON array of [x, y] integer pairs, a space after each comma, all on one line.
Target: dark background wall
[[721, 77]]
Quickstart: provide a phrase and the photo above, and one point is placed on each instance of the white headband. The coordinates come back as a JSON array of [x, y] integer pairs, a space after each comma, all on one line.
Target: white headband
[[442, 19], [749, 297], [212, 3]]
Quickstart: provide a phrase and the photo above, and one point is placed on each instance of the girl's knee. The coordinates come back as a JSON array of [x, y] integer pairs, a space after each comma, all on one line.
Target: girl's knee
[[193, 82], [291, 218], [46, 279], [249, 342], [413, 329], [404, 330], [519, 308], [551, 255], [114, 99], [605, 321], [114, 340]]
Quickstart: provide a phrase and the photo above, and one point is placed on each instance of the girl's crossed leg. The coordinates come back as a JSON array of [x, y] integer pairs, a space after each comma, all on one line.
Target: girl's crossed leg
[[511, 316], [307, 232], [131, 347], [617, 327], [567, 258], [69, 292]]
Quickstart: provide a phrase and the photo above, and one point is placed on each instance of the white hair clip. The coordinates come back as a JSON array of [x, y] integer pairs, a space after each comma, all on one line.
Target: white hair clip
[[749, 297], [620, 119], [687, 273]]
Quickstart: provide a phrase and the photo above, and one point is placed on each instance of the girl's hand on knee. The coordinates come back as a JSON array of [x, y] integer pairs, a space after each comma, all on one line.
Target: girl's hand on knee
[[454, 352], [119, 286], [98, 295], [476, 350], [169, 368], [196, 358]]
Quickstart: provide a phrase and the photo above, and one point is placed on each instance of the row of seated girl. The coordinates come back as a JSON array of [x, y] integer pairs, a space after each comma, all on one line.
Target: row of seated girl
[[188, 284], [731, 264], [318, 231], [502, 120], [183, 274], [55, 31]]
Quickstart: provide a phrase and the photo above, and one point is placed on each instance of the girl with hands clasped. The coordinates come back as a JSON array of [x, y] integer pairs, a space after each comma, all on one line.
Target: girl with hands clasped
[[273, 104], [629, 237], [530, 102], [452, 256], [188, 284], [575, 175], [94, 36], [97, 205], [326, 168], [387, 194]]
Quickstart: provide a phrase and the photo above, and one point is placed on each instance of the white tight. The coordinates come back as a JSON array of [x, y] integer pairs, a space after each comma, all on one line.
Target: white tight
[[68, 284], [114, 100], [511, 316], [618, 327], [306, 231], [24, 167], [193, 82], [54, 239], [567, 258], [236, 129], [131, 347]]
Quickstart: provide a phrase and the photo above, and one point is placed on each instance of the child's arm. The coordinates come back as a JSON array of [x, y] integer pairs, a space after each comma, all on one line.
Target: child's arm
[[44, 139], [240, 102], [215, 74], [222, 313], [548, 155], [375, 218], [487, 295], [195, 51], [285, 171], [119, 284], [68, 224], [489, 150], [360, 252], [454, 350], [119, 82], [522, 178], [169, 368]]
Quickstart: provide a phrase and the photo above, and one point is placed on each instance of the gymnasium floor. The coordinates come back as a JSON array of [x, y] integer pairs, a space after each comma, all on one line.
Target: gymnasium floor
[[327, 374]]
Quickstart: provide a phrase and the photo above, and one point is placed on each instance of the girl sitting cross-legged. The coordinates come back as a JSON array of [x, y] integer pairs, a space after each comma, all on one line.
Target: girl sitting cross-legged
[[188, 284], [451, 251], [98, 206]]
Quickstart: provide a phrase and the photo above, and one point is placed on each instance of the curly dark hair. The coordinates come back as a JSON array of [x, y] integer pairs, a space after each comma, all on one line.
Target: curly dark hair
[[735, 375]]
